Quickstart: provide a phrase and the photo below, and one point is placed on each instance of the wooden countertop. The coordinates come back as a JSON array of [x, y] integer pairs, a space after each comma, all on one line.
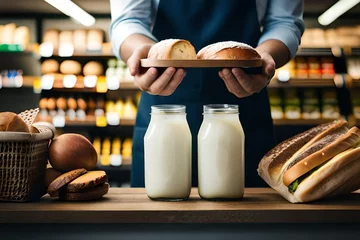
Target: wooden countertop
[[131, 205]]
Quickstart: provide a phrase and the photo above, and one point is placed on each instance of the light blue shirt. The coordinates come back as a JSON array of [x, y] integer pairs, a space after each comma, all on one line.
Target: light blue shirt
[[280, 19]]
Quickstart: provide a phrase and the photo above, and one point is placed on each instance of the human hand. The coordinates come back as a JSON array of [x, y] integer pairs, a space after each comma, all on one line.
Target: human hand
[[151, 81], [241, 84]]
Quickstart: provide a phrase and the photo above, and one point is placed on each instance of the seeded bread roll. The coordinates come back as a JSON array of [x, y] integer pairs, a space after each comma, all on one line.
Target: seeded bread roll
[[172, 49], [228, 50]]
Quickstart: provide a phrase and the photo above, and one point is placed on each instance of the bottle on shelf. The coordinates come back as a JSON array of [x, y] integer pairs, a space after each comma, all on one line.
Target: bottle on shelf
[[116, 158], [130, 109], [276, 104], [311, 105], [330, 106], [292, 105]]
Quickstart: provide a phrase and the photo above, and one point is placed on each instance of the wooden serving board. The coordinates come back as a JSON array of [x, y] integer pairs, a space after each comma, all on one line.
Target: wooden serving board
[[201, 63]]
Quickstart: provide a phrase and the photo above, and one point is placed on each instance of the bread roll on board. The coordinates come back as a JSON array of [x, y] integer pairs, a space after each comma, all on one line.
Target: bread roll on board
[[172, 49], [180, 53], [11, 122]]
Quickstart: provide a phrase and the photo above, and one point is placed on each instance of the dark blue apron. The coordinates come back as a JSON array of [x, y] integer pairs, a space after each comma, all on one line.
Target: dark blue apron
[[203, 22]]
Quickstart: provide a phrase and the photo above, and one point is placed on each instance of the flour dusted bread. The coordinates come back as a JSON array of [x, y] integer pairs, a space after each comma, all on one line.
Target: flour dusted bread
[[321, 162], [12, 122], [230, 50], [172, 49]]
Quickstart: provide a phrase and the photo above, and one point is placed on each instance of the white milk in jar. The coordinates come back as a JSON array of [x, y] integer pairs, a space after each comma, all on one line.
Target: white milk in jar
[[221, 153], [167, 146]]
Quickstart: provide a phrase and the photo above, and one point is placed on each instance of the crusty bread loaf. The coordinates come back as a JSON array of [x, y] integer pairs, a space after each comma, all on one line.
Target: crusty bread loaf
[[70, 67], [93, 68], [230, 50], [172, 49], [13, 123], [49, 66]]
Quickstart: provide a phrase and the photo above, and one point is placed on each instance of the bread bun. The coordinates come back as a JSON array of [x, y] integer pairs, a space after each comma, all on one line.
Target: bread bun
[[22, 36], [79, 39], [43, 103], [49, 66], [51, 104], [12, 122], [229, 50], [52, 36], [72, 151], [72, 104], [172, 49], [65, 37], [70, 67], [93, 68], [61, 103]]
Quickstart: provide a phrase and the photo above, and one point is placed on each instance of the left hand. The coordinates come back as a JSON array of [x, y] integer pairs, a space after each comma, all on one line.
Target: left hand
[[241, 84]]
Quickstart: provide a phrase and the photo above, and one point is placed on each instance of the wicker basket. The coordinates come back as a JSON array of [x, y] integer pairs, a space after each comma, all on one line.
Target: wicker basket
[[23, 160]]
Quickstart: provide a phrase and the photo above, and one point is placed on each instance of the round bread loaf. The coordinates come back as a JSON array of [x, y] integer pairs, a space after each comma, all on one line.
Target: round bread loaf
[[229, 50], [49, 66], [72, 151], [172, 49], [70, 67], [12, 122], [93, 68]]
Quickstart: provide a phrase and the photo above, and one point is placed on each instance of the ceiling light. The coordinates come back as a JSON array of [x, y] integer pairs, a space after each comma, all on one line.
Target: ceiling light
[[336, 11], [74, 11]]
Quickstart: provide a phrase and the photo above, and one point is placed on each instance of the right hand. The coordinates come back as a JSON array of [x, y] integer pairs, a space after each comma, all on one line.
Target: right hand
[[150, 81]]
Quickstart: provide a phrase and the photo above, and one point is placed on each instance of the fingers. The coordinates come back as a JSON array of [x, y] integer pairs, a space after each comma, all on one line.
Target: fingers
[[232, 84], [133, 62], [160, 83], [251, 83], [144, 81], [174, 83], [163, 85]]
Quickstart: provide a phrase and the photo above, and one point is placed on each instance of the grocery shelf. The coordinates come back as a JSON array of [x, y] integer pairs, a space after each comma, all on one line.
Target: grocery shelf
[[319, 51], [105, 52], [109, 169], [28, 81], [89, 121], [302, 82], [280, 122]]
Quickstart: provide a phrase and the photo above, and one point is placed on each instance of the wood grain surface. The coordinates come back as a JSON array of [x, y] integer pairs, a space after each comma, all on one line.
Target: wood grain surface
[[121, 205], [215, 63]]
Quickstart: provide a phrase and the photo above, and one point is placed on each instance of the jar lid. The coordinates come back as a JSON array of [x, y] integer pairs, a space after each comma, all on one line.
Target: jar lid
[[166, 108], [221, 108]]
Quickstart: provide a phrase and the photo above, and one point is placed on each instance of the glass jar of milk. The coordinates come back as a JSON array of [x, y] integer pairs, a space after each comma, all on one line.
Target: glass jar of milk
[[167, 146], [221, 153]]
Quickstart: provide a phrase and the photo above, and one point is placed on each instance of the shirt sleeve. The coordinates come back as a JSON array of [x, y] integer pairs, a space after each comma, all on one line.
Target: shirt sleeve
[[283, 21], [129, 17]]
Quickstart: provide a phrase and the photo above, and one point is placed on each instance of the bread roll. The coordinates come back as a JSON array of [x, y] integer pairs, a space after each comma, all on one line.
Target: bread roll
[[70, 67], [52, 36], [8, 33], [228, 50], [93, 68], [49, 66], [95, 39], [22, 35], [79, 39], [172, 49], [89, 180], [13, 123], [65, 37], [90, 194]]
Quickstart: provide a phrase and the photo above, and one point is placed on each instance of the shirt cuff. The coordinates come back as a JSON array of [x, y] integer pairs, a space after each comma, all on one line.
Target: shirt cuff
[[284, 34], [123, 30]]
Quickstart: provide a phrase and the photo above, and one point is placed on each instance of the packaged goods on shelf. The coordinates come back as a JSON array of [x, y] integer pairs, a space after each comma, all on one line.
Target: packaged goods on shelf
[[113, 151], [356, 104], [11, 78], [330, 106], [118, 70], [332, 37], [311, 105], [353, 68], [292, 106], [10, 34], [276, 104]]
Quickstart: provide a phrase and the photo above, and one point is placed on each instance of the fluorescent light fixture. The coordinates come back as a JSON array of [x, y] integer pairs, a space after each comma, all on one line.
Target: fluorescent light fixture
[[72, 10], [336, 11]]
